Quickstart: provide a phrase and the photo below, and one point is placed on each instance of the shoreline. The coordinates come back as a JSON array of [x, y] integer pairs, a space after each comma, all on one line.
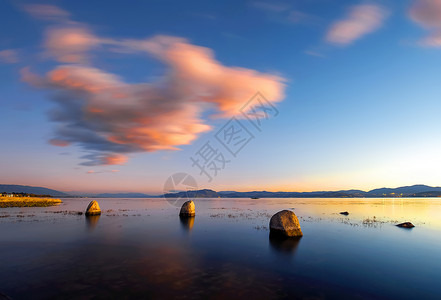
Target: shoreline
[[6, 202]]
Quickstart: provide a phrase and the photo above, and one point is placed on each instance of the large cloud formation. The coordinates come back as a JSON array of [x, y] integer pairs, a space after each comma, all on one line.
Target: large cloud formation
[[111, 118], [427, 13], [361, 20]]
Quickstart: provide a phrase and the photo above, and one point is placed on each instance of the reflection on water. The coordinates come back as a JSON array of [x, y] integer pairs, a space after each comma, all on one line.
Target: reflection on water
[[138, 250], [424, 211], [187, 223], [287, 245], [92, 221]]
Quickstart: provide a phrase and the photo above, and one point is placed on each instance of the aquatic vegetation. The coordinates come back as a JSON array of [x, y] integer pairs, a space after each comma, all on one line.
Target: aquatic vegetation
[[261, 227], [27, 202], [371, 221], [65, 212], [375, 222]]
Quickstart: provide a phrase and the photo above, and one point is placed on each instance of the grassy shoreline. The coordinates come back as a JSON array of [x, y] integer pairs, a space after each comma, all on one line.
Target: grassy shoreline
[[27, 202]]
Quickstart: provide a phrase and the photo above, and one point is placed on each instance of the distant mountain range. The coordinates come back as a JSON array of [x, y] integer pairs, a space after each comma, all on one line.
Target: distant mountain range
[[196, 194], [123, 195], [405, 191]]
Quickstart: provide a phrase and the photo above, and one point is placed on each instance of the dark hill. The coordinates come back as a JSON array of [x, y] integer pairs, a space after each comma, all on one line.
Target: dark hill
[[123, 195], [13, 188], [405, 190], [194, 194]]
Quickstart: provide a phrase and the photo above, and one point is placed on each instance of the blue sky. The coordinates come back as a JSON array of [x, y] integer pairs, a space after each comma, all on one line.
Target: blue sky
[[356, 84]]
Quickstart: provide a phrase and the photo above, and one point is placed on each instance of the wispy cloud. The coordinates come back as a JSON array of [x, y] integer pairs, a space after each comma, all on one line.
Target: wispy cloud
[[46, 12], [284, 13], [99, 172], [58, 143], [427, 13], [70, 44], [361, 20], [272, 6], [9, 56], [110, 118], [314, 53], [299, 17]]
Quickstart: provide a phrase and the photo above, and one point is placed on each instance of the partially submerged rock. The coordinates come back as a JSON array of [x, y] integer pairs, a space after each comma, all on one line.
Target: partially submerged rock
[[92, 221], [93, 209], [345, 213], [406, 225], [286, 245], [187, 223], [285, 224], [188, 209]]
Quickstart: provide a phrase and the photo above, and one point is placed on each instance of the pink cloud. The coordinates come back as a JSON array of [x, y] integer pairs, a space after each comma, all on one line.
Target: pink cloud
[[314, 53], [111, 118], [9, 56], [226, 87], [59, 143], [361, 20], [67, 41], [98, 172], [270, 6], [70, 44], [433, 40], [114, 159], [46, 12], [427, 13], [31, 78]]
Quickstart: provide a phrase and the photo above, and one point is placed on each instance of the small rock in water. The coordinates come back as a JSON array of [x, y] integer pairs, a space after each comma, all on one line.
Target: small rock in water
[[285, 224], [406, 225], [345, 213], [93, 209], [188, 209]]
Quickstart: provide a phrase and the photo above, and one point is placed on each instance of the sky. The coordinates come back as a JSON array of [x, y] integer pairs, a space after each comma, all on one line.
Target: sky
[[240, 95]]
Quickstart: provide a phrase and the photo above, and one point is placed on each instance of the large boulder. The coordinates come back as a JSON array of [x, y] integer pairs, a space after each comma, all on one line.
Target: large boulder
[[93, 209], [188, 209], [285, 224]]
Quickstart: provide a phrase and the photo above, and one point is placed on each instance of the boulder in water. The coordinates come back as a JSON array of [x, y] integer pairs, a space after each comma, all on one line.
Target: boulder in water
[[285, 224], [93, 209], [345, 213], [187, 223], [188, 209]]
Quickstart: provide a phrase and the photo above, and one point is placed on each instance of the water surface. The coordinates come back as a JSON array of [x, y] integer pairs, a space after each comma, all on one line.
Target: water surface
[[140, 248]]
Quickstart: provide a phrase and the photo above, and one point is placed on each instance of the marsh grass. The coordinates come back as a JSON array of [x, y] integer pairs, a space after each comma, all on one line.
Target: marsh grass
[[27, 202]]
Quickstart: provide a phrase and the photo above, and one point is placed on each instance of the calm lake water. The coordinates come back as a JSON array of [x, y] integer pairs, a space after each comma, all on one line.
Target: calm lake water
[[140, 248]]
